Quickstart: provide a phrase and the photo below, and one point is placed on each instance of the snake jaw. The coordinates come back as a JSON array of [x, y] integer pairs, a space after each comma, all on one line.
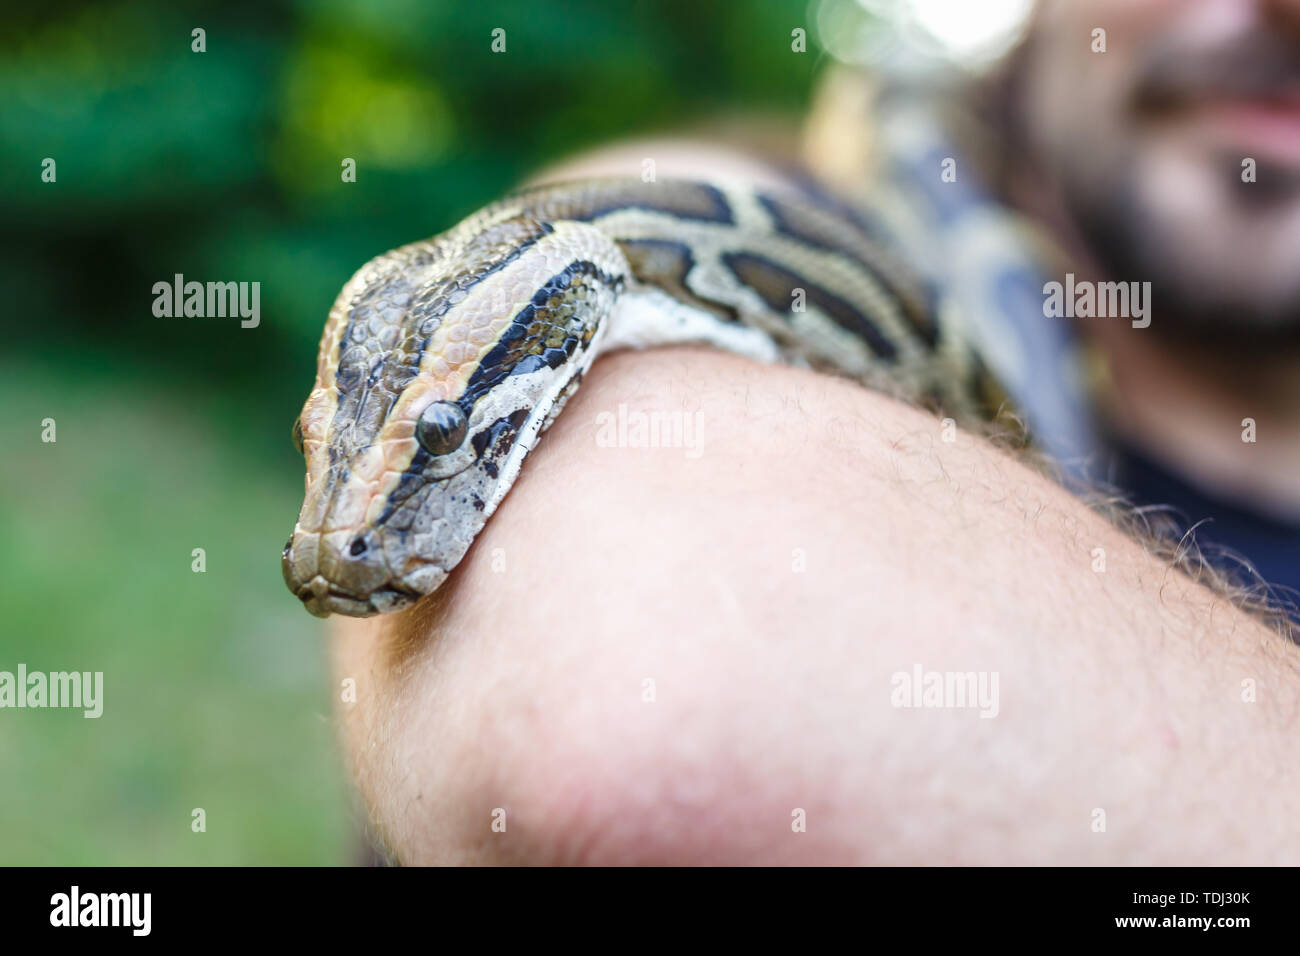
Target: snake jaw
[[379, 601], [350, 588], [362, 569]]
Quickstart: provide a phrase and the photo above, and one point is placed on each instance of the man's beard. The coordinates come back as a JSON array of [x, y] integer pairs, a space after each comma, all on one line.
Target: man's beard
[[1191, 299]]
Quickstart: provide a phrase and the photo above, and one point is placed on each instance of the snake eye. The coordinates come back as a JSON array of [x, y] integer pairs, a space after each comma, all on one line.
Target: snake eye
[[441, 428], [297, 435]]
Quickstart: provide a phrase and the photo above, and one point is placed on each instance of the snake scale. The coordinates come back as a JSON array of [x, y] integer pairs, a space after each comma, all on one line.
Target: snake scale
[[444, 360]]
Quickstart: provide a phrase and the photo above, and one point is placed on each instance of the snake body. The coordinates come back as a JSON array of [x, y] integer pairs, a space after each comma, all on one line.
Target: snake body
[[443, 361]]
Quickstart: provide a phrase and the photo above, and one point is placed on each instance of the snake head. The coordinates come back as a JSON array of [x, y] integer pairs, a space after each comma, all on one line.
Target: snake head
[[440, 365]]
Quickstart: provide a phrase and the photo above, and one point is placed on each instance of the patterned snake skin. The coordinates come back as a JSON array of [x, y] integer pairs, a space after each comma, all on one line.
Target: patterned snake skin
[[444, 360]]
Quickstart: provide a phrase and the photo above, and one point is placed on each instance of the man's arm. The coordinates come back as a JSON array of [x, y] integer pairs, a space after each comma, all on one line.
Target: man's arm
[[654, 655]]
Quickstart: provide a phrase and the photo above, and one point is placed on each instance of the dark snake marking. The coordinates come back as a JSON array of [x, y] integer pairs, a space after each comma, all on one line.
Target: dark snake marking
[[536, 336], [370, 376], [666, 264], [776, 285], [822, 226], [538, 330]]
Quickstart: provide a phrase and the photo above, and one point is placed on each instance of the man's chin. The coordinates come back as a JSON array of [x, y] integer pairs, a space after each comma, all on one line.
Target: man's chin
[[1209, 279]]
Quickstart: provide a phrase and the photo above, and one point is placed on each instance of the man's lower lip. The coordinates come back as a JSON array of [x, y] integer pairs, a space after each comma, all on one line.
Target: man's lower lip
[[1260, 128]]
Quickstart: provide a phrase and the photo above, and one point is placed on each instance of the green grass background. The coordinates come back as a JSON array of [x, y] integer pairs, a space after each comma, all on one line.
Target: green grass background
[[174, 433]]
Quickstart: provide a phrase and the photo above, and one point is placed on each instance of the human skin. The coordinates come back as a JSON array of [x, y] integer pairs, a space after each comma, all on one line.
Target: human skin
[[822, 539]]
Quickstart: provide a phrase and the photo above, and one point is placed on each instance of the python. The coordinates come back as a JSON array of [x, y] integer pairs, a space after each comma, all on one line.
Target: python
[[443, 361]]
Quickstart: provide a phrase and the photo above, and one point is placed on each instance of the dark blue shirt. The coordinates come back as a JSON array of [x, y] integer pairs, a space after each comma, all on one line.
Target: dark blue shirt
[[1268, 544]]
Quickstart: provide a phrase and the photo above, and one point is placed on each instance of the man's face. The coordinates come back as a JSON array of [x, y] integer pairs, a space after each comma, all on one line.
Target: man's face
[[1148, 140]]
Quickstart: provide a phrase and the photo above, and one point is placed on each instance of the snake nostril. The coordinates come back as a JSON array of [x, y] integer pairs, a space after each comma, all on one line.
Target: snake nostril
[[358, 547]]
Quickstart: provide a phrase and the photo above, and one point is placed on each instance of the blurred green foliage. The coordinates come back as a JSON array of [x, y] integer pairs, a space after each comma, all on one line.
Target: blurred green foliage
[[173, 433]]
